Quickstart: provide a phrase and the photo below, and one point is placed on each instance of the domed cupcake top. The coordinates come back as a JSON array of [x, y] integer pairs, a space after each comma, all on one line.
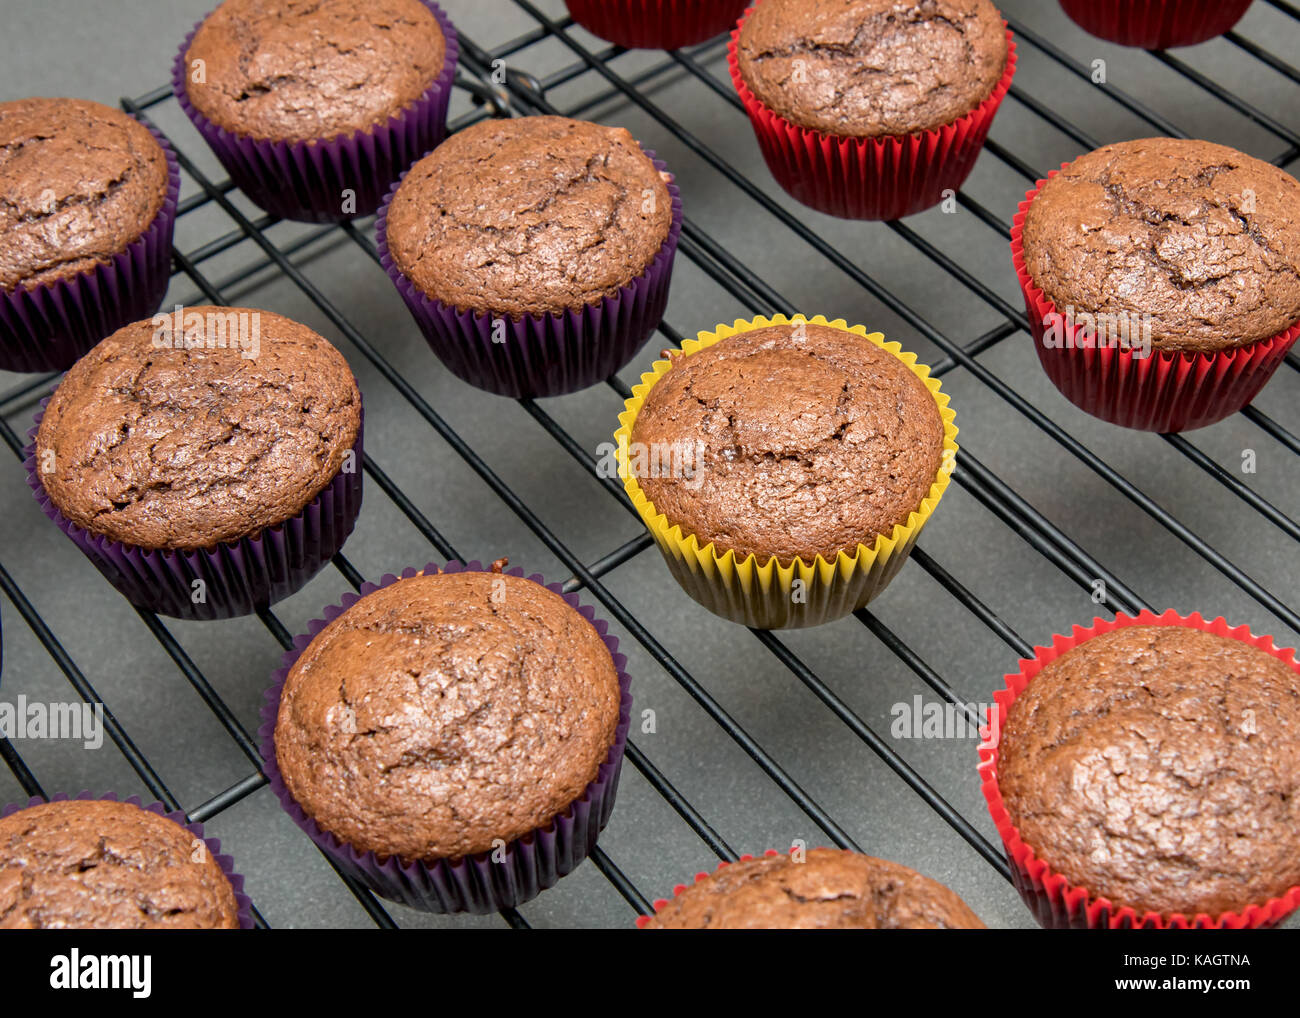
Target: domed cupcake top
[[97, 864], [294, 70], [1199, 241], [80, 181], [1159, 767], [197, 427], [825, 889], [866, 68], [443, 712], [792, 440], [530, 215]]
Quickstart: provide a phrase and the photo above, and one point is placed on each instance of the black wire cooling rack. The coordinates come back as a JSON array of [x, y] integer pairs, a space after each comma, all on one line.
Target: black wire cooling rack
[[519, 92]]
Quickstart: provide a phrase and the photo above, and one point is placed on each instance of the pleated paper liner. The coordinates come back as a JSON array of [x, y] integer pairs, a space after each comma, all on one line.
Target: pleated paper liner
[[243, 904], [655, 24], [531, 863], [233, 578], [643, 921], [550, 354], [48, 327], [1165, 391], [1054, 901], [1155, 24], [869, 178], [764, 595], [309, 180]]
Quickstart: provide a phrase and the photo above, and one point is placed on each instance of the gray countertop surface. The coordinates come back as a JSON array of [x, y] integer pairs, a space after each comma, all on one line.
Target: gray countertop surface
[[105, 51]]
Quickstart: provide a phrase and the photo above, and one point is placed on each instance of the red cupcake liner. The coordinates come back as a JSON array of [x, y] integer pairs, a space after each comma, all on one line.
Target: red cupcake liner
[[238, 577], [1054, 901], [549, 354], [642, 921], [655, 24], [531, 864], [243, 904], [869, 178], [306, 180], [1165, 391], [1155, 24], [48, 327]]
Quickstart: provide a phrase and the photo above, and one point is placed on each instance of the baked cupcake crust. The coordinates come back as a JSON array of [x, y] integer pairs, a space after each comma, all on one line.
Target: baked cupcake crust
[[829, 889], [1202, 240], [1159, 767], [80, 181], [802, 440], [186, 448], [446, 711], [528, 216], [869, 68], [296, 70], [98, 864]]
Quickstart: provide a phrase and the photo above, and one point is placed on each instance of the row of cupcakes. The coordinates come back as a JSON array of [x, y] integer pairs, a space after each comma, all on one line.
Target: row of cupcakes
[[210, 461], [211, 465], [453, 739], [380, 705], [531, 274], [668, 24]]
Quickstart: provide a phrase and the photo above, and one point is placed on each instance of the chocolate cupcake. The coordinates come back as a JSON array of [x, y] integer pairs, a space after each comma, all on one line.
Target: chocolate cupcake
[[207, 461], [534, 253], [1155, 24], [314, 108], [804, 450], [655, 24], [85, 228], [870, 109], [1148, 773], [80, 864], [826, 889], [452, 738], [1174, 252]]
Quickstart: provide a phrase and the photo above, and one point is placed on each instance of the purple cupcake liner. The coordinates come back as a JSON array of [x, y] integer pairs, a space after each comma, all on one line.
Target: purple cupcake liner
[[305, 180], [243, 904], [47, 327], [549, 354], [532, 863], [238, 577]]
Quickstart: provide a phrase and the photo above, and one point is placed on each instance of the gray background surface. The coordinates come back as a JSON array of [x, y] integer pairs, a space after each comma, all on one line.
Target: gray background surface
[[104, 51]]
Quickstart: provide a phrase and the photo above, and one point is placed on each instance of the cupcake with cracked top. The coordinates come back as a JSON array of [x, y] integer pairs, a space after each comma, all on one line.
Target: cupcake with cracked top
[[81, 864], [871, 109], [827, 889], [316, 106], [1161, 249], [181, 438], [90, 198], [1158, 767], [534, 252], [444, 712], [786, 467]]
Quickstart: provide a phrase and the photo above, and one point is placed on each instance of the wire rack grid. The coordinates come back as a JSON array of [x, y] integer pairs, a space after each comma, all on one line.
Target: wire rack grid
[[594, 80]]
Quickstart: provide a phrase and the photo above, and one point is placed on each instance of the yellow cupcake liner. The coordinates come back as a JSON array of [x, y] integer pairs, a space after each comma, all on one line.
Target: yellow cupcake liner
[[771, 595]]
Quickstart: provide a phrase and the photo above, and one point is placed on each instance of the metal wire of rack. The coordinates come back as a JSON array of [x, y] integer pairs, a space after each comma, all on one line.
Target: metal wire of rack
[[523, 93]]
